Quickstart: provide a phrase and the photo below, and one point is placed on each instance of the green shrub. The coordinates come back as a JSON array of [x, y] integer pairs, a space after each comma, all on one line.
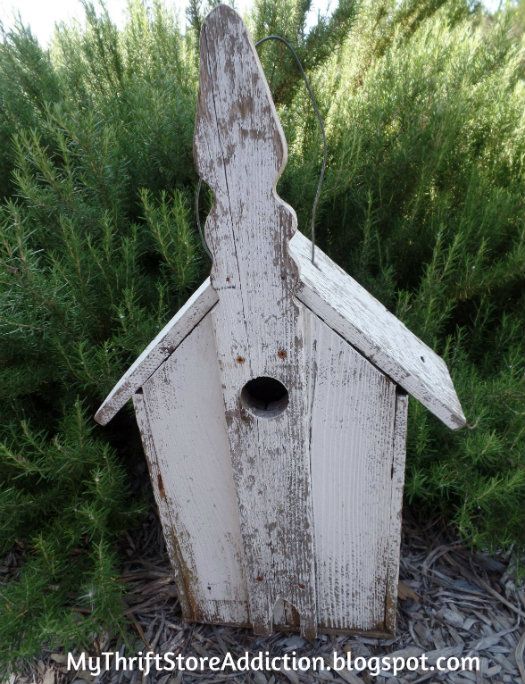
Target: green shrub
[[422, 204], [426, 130]]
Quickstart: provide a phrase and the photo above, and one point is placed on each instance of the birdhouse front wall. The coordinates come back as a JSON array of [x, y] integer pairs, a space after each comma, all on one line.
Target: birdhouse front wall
[[357, 420]]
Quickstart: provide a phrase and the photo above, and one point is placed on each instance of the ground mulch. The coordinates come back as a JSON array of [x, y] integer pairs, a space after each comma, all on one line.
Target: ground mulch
[[452, 603]]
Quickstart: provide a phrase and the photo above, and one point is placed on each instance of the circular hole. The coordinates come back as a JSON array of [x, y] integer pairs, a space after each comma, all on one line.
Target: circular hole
[[265, 397]]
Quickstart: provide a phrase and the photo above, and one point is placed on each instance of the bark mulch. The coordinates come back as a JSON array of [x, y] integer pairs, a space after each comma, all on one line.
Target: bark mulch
[[452, 603]]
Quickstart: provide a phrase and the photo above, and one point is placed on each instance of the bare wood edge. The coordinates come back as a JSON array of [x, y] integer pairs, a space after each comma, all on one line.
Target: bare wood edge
[[396, 501], [172, 545], [327, 290], [159, 349], [321, 629]]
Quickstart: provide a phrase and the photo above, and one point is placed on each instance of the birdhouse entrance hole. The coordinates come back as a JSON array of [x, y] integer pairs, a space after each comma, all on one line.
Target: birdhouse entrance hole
[[265, 397]]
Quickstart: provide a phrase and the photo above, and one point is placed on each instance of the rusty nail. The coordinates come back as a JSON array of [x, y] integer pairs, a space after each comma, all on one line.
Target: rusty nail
[[301, 586], [281, 354], [259, 579], [240, 359]]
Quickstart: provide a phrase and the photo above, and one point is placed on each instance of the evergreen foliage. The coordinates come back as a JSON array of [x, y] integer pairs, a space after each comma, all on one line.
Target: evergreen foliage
[[422, 204]]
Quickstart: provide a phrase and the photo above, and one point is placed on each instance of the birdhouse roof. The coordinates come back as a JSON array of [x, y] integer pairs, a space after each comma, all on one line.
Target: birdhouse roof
[[347, 308]]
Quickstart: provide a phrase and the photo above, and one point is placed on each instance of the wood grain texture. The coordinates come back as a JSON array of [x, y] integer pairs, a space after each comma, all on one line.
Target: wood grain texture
[[185, 413], [357, 459], [396, 505], [353, 409], [364, 322], [157, 483], [240, 151], [158, 351]]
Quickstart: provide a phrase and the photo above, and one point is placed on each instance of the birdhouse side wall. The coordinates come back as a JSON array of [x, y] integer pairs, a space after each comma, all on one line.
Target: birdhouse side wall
[[184, 436], [357, 481]]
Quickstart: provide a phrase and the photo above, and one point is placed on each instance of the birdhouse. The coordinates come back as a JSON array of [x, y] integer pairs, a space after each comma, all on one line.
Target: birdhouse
[[273, 406]]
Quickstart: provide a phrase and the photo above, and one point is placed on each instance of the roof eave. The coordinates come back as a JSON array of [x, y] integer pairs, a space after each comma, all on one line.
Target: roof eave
[[159, 349], [383, 339]]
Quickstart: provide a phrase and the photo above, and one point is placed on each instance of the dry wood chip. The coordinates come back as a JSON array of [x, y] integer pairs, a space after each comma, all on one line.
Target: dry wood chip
[[463, 677], [435, 554], [505, 663], [408, 652], [156, 639], [437, 638], [451, 616], [413, 635], [49, 676], [497, 595], [489, 563], [84, 675], [323, 677], [422, 631], [404, 592], [459, 641], [432, 656], [512, 640], [469, 623], [519, 655], [490, 641], [484, 618], [291, 675], [291, 643], [451, 593], [345, 675], [503, 622], [199, 650], [493, 671], [501, 649], [349, 677], [428, 676], [488, 630]]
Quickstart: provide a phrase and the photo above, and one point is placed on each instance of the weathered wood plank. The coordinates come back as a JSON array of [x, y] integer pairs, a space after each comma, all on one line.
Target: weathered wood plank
[[168, 339], [352, 422], [240, 152], [396, 504], [351, 311], [185, 412], [157, 483]]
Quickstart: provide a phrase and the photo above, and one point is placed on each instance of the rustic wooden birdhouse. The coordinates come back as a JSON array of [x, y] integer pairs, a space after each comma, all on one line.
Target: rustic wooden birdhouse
[[273, 406]]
